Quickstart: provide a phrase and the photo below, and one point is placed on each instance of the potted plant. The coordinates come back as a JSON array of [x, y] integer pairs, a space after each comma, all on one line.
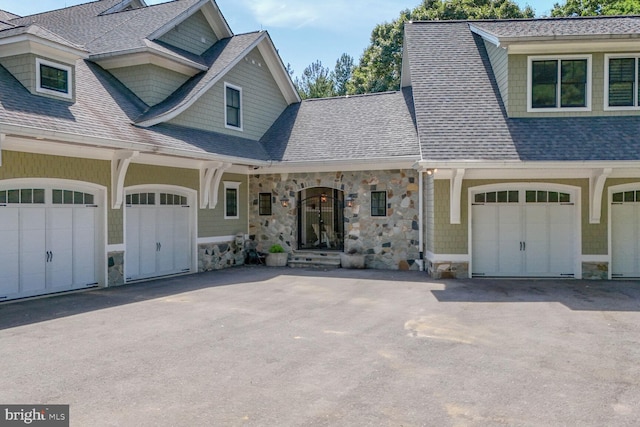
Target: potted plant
[[352, 259], [277, 256]]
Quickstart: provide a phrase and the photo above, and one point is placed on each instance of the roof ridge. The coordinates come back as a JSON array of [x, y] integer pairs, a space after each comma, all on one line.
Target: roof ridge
[[358, 95], [540, 19], [62, 8]]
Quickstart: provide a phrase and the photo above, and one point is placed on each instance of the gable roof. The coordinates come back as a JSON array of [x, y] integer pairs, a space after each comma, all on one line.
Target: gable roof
[[37, 31], [460, 115], [102, 115], [363, 127], [6, 16], [219, 58]]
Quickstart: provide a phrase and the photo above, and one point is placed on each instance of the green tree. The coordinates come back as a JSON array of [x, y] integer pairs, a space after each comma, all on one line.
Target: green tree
[[594, 8], [342, 74], [381, 63], [315, 82]]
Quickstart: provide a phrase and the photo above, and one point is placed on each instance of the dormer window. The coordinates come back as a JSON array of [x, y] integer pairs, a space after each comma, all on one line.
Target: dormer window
[[559, 83], [621, 82], [53, 79], [233, 103]]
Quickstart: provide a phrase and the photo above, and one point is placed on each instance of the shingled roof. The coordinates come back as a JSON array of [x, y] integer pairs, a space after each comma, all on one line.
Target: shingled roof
[[592, 26], [461, 117], [347, 128]]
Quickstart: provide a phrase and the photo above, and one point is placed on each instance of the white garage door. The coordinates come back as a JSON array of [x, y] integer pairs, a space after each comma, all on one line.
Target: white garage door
[[48, 241], [523, 233], [625, 232], [158, 235]]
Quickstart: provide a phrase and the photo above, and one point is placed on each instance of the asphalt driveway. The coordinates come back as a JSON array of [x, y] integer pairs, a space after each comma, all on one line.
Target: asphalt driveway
[[258, 346]]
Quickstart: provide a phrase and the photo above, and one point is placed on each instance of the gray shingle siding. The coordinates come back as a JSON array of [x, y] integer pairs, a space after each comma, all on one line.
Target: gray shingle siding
[[150, 83]]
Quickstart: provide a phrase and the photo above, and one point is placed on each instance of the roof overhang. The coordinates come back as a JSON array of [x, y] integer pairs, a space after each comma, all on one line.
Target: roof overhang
[[278, 70], [31, 44], [148, 55], [562, 43]]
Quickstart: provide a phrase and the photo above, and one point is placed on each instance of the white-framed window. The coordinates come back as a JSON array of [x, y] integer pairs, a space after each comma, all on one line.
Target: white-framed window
[[231, 200], [233, 107], [621, 78], [559, 83], [54, 79]]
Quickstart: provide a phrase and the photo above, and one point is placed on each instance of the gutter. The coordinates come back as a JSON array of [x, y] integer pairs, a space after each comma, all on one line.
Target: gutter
[[143, 147], [518, 164]]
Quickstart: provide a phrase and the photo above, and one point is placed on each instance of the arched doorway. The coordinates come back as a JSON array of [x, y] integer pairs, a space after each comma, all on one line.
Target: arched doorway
[[321, 219]]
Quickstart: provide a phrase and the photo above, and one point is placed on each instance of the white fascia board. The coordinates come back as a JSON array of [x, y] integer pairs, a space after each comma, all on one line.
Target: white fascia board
[[148, 55], [183, 106], [278, 70], [216, 19], [28, 43], [559, 45], [491, 38], [515, 164], [113, 144], [337, 165], [221, 30]]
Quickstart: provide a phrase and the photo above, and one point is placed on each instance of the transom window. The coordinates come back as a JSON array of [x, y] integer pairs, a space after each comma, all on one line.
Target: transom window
[[497, 197], [152, 199], [378, 203], [547, 197], [233, 102], [556, 83], [626, 197], [68, 197], [622, 82], [53, 79], [265, 203], [22, 196]]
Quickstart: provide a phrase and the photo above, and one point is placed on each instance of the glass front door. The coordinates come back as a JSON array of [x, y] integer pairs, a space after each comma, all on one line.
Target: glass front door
[[321, 219]]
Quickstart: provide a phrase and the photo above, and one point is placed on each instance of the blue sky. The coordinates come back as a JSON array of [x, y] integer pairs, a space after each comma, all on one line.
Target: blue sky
[[302, 30]]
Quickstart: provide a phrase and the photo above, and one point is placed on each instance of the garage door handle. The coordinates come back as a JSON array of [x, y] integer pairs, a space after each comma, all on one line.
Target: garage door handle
[[524, 246], [520, 245]]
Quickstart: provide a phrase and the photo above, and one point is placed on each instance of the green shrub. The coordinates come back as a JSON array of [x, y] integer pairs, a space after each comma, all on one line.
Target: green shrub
[[276, 249]]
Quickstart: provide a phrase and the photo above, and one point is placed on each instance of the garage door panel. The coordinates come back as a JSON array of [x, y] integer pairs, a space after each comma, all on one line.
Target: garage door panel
[[624, 239], [148, 241], [9, 252], [32, 250], [60, 247], [485, 239], [84, 244], [182, 240], [562, 233], [164, 237]]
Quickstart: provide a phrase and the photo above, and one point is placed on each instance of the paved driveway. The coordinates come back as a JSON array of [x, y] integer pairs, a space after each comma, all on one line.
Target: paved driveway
[[281, 347]]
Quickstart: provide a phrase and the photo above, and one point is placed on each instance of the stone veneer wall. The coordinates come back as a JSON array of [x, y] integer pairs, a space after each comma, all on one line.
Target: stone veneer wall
[[595, 270], [216, 256], [448, 270], [115, 269], [390, 242]]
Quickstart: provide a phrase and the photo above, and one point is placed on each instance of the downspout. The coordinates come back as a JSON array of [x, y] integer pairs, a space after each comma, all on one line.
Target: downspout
[[421, 217]]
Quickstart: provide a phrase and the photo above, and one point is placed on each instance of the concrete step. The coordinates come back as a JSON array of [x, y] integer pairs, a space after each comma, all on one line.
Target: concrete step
[[310, 259]]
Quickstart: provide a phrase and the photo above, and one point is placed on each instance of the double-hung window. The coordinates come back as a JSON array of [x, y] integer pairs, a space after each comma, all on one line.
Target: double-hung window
[[378, 203], [621, 82], [559, 83], [231, 200], [53, 79], [233, 107]]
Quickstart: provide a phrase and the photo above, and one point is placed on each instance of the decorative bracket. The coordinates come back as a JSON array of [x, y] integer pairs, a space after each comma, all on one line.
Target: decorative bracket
[[455, 193], [119, 166], [210, 177], [596, 188]]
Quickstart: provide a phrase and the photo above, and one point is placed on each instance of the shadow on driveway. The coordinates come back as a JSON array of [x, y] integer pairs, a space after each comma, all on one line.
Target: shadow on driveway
[[574, 294]]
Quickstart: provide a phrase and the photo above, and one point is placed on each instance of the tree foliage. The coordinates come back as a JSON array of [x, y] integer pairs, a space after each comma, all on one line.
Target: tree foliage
[[315, 82], [381, 63], [342, 74], [595, 8]]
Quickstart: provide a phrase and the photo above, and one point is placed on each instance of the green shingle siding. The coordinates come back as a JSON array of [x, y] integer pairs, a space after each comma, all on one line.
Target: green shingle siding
[[189, 34], [211, 222], [500, 64], [150, 83], [262, 101]]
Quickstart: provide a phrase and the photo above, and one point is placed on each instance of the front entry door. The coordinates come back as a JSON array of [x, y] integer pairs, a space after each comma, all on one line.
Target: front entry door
[[321, 219]]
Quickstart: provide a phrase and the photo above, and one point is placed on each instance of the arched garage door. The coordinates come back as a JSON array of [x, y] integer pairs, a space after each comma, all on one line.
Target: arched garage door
[[625, 234], [159, 233], [50, 238], [523, 232]]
